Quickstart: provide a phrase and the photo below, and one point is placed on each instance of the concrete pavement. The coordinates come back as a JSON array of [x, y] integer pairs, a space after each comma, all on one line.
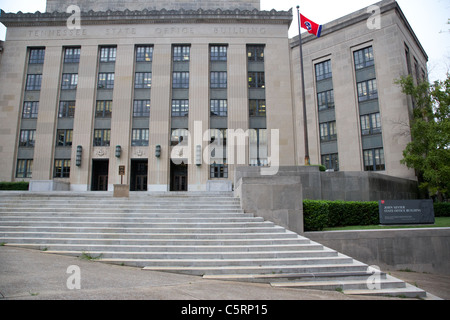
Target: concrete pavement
[[33, 275]]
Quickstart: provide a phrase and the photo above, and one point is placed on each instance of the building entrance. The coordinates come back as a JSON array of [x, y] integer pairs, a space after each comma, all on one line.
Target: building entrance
[[100, 175], [139, 175], [178, 177]]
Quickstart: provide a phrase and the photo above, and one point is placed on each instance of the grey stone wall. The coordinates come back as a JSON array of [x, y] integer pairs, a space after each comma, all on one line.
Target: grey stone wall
[[420, 250], [348, 186], [120, 5]]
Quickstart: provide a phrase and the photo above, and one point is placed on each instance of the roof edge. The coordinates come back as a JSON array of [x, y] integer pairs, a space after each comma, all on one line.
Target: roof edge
[[357, 17]]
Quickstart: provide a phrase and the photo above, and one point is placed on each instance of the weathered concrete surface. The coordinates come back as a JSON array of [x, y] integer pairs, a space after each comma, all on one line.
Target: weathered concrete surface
[[275, 198], [419, 250], [32, 275]]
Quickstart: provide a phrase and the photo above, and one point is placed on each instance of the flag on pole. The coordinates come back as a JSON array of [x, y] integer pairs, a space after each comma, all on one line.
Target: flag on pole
[[311, 26]]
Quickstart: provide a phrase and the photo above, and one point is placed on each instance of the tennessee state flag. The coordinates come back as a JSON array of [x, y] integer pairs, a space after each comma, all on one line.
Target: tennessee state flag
[[311, 26]]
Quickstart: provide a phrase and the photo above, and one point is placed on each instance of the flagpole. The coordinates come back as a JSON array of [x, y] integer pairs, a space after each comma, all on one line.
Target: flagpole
[[305, 120]]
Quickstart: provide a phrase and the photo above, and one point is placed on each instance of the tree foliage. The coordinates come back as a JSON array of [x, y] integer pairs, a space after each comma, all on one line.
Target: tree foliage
[[429, 151]]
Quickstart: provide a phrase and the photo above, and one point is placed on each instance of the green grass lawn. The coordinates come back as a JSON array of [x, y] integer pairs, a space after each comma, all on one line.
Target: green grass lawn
[[443, 222]]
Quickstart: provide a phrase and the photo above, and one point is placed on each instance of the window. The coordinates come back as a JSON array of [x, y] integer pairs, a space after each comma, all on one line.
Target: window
[[144, 53], [364, 58], [370, 124], [103, 109], [180, 80], [258, 147], [218, 137], [72, 55], [143, 80], [367, 90], [64, 138], [325, 100], [66, 109], [218, 80], [328, 131], [181, 53], [218, 158], [331, 161], [69, 81], [37, 56], [178, 136], [257, 108], [323, 70], [102, 138], [30, 110], [62, 169], [218, 53], [27, 138], [141, 108], [105, 81], [180, 108], [374, 160], [255, 53], [218, 170], [219, 108], [256, 80], [108, 54], [139, 137], [33, 82], [24, 168]]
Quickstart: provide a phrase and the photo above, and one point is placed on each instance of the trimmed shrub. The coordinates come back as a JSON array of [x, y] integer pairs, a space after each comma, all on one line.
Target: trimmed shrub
[[14, 186], [315, 215], [442, 209], [339, 214]]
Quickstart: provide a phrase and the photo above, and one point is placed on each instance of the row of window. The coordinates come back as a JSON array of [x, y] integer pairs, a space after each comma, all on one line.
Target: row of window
[[144, 53], [141, 108], [373, 160], [62, 169]]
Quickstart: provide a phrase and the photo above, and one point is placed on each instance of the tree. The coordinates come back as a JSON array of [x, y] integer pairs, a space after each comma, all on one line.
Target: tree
[[429, 151]]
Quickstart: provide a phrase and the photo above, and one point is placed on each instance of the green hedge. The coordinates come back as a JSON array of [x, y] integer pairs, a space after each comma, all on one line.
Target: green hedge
[[442, 209], [10, 186], [320, 214], [315, 215]]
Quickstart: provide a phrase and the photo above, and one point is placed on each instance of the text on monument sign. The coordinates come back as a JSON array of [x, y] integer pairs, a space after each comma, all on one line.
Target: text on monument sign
[[393, 212]]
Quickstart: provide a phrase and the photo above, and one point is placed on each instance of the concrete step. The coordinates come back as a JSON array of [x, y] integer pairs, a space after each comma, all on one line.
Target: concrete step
[[165, 229], [128, 219], [232, 236], [196, 256], [343, 284], [135, 224], [288, 244], [408, 292], [119, 210], [262, 270], [293, 250], [202, 234]]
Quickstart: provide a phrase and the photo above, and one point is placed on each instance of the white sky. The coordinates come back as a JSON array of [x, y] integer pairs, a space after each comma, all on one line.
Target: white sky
[[429, 20]]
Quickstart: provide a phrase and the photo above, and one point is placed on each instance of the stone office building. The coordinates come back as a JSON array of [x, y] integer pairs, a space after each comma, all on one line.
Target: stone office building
[[150, 86]]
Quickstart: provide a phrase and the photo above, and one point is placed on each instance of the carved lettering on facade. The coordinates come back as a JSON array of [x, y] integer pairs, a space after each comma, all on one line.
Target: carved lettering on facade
[[57, 33], [239, 30], [120, 31]]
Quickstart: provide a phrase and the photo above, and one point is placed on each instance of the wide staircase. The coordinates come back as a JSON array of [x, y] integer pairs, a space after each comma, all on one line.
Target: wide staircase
[[205, 234]]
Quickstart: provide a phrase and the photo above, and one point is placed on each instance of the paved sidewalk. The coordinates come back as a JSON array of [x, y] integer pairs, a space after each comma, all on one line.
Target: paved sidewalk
[[33, 275]]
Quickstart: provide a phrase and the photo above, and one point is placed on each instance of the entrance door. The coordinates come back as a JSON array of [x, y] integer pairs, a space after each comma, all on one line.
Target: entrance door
[[100, 175], [139, 174], [178, 177]]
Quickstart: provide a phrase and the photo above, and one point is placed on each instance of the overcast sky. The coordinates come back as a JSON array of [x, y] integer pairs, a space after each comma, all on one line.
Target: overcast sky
[[429, 20]]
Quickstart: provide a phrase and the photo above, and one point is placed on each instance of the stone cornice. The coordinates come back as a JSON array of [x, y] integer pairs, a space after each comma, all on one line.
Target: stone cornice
[[148, 17]]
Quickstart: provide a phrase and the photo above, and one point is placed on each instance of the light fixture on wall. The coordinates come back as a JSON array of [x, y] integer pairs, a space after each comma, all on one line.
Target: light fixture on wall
[[198, 155], [118, 151], [78, 158]]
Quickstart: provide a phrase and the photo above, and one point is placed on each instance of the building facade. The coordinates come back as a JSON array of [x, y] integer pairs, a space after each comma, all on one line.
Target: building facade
[[173, 96]]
